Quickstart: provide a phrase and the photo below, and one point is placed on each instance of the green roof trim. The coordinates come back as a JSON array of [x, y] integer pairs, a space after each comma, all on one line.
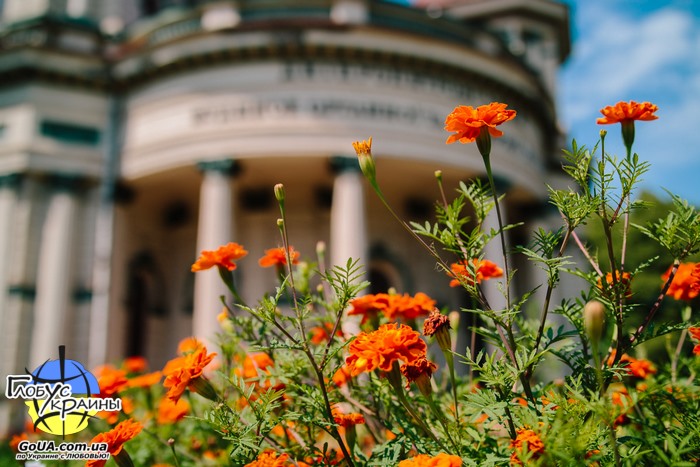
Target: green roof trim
[[70, 133]]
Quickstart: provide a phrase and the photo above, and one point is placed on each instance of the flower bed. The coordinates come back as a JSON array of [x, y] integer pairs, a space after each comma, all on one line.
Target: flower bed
[[294, 385]]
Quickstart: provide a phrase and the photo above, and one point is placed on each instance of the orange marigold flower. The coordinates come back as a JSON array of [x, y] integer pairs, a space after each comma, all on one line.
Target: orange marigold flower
[[342, 376], [441, 460], [694, 333], [145, 381], [683, 285], [695, 278], [409, 308], [254, 363], [621, 398], [224, 256], [347, 419], [270, 459], [638, 368], [625, 112], [485, 270], [110, 380], [170, 411], [185, 372], [369, 305], [135, 364], [278, 257], [16, 439], [392, 306], [381, 348], [115, 439], [624, 282], [113, 417], [189, 344], [466, 121], [528, 439], [322, 334]]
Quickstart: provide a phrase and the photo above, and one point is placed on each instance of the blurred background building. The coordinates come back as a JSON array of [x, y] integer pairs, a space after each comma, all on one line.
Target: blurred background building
[[135, 133]]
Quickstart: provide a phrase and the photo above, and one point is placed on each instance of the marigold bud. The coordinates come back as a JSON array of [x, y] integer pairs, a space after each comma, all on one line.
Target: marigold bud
[[203, 387], [594, 320], [438, 175], [364, 156], [279, 192]]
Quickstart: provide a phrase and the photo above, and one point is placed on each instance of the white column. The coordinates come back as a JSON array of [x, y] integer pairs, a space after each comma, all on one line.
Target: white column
[[8, 199], [494, 253], [348, 223], [19, 300], [54, 276], [215, 228]]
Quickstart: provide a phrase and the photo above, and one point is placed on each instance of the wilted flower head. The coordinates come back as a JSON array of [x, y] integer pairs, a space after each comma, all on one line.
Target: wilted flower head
[[381, 348], [419, 371], [438, 325], [224, 257]]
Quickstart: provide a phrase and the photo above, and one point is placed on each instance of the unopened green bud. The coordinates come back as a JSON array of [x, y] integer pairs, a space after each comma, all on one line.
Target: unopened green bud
[[203, 387], [280, 223], [594, 320], [279, 192], [438, 175]]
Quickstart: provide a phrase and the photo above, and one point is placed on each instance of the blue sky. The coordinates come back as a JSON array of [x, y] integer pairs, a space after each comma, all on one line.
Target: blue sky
[[642, 50]]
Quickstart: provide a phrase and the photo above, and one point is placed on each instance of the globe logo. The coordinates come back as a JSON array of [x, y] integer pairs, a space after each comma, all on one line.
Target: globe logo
[[62, 415]]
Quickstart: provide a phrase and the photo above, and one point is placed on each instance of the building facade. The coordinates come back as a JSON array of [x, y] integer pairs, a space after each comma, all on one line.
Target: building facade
[[134, 134]]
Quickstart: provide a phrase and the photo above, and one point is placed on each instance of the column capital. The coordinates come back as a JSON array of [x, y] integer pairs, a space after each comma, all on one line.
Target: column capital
[[225, 166], [341, 164], [67, 182]]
